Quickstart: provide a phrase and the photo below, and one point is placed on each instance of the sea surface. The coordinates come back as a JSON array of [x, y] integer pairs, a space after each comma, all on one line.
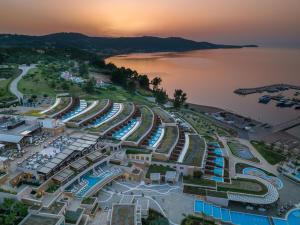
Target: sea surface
[[209, 77]]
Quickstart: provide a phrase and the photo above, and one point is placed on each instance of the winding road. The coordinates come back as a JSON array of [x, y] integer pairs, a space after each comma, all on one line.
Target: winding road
[[13, 88]]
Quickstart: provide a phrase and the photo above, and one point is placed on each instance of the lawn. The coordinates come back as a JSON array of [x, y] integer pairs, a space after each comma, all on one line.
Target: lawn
[[64, 102], [245, 186], [134, 151], [241, 151], [119, 94], [127, 110], [165, 117], [147, 118], [48, 80], [195, 151], [199, 181], [202, 124], [8, 74], [268, 154], [197, 220], [158, 169], [155, 218], [169, 139]]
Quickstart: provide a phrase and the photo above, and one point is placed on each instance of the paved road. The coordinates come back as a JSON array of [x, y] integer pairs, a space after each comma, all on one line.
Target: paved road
[[13, 88]]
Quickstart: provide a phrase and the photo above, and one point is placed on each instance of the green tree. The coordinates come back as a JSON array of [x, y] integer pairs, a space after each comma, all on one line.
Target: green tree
[[179, 98], [161, 96], [144, 81], [131, 86], [156, 81], [89, 87], [65, 86], [83, 70]]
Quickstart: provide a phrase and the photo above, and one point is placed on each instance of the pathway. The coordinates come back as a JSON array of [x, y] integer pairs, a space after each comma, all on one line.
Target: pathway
[[156, 194], [13, 88]]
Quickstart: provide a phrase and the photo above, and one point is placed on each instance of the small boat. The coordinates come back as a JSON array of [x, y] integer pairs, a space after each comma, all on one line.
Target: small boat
[[264, 99]]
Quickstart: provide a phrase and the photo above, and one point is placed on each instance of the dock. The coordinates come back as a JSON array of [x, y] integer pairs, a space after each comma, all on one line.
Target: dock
[[269, 88]]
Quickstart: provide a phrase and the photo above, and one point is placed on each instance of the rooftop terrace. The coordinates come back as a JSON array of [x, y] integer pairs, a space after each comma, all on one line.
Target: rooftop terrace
[[165, 117], [146, 124], [123, 214], [169, 140]]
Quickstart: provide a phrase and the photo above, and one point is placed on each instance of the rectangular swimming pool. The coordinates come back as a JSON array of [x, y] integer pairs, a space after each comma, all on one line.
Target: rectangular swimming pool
[[237, 218]]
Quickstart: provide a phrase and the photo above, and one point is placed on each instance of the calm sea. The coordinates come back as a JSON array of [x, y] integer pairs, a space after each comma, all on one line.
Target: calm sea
[[210, 76]]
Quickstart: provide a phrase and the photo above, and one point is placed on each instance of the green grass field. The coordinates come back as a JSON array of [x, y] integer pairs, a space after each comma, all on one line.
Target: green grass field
[[146, 123], [169, 139], [271, 156], [8, 77], [195, 151]]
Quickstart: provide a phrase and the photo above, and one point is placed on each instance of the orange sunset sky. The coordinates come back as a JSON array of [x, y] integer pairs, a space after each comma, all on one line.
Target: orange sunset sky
[[266, 22]]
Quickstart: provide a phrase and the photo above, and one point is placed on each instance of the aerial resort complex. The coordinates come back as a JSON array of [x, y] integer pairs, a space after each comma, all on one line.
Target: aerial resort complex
[[79, 160], [147, 130]]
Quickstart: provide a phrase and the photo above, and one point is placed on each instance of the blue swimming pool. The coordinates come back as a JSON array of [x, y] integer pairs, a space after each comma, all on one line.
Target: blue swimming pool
[[155, 136], [218, 151], [219, 161], [125, 130], [259, 173], [298, 175], [78, 109], [216, 212], [207, 209], [112, 112], [279, 221], [218, 171], [240, 218], [225, 215], [245, 154], [217, 179], [248, 219], [92, 181], [215, 144], [293, 217]]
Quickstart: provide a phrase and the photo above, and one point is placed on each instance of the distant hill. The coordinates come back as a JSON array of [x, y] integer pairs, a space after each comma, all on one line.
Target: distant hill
[[109, 45]]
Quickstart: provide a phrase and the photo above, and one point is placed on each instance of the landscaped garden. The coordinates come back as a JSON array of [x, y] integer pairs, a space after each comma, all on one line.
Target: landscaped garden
[[242, 185], [7, 74], [197, 220], [266, 151], [241, 151], [196, 149], [165, 117], [155, 218], [169, 140], [12, 212], [133, 151], [199, 181], [146, 123], [64, 102], [203, 125]]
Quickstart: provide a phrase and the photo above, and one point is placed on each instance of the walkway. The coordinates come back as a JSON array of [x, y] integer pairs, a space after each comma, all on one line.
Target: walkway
[[13, 88]]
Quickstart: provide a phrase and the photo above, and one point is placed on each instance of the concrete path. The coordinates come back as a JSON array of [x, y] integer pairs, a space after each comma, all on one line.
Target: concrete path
[[13, 88]]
